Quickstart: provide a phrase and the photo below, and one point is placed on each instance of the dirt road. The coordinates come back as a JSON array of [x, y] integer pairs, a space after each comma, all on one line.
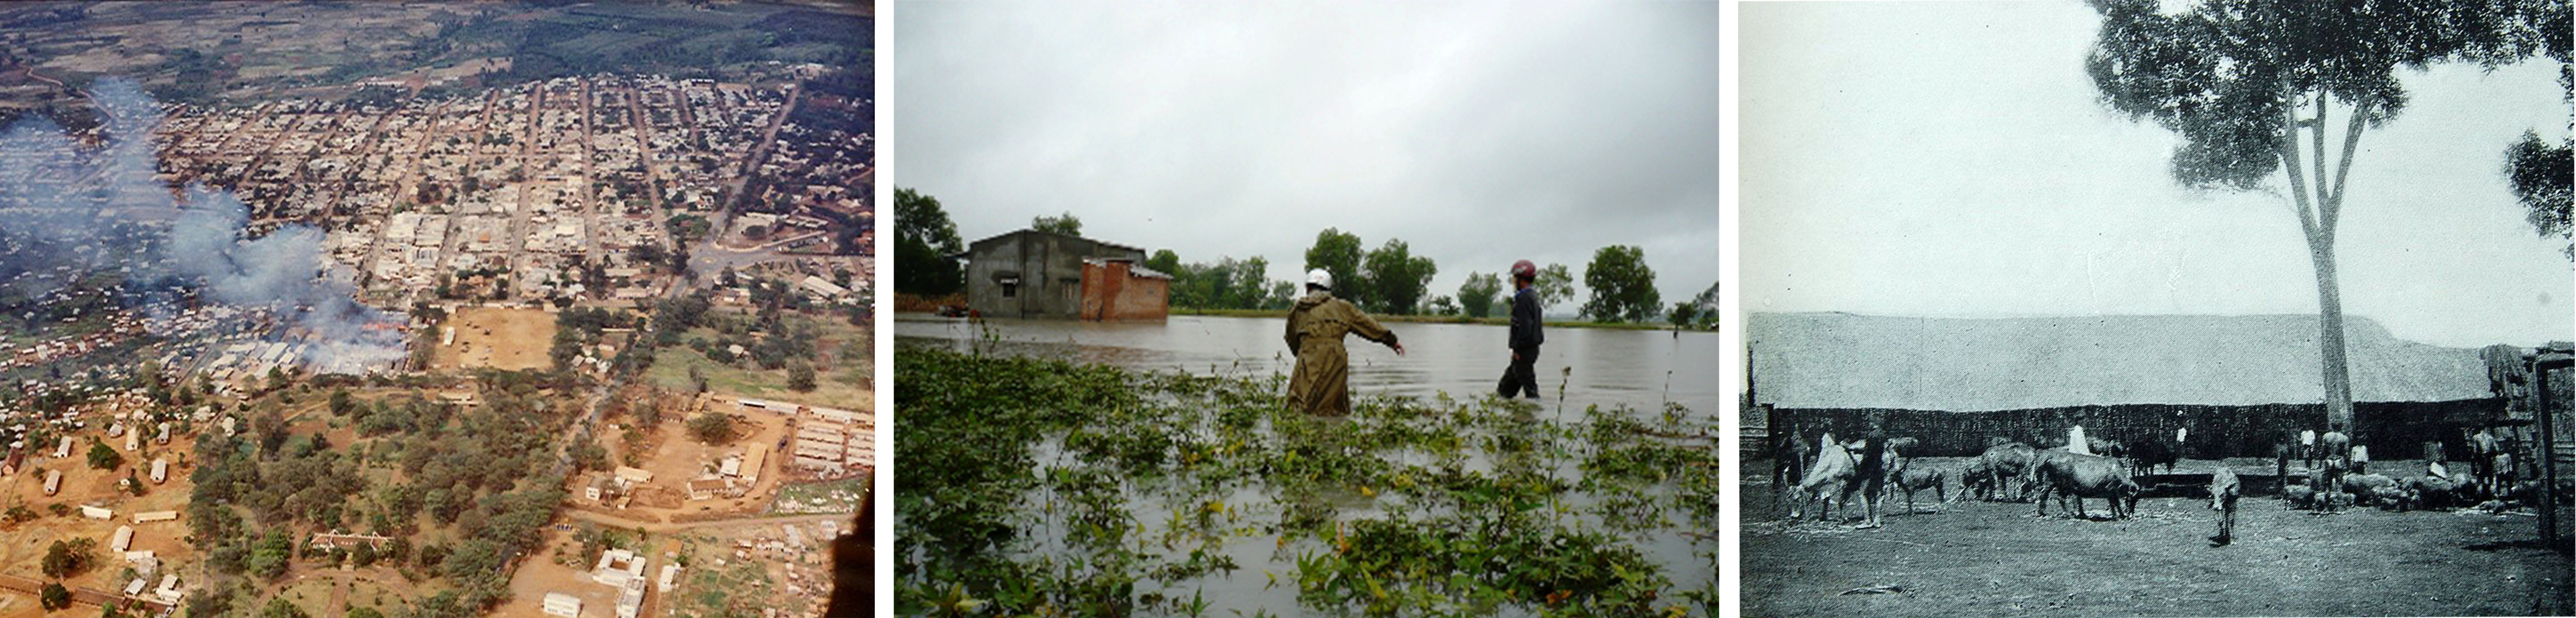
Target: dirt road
[[612, 520], [1999, 559]]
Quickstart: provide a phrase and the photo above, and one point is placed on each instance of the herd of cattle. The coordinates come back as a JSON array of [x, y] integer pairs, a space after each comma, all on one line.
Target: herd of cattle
[[1831, 472]]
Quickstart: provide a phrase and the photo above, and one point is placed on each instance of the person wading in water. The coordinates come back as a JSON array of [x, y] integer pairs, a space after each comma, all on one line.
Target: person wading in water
[[1521, 378], [1321, 385]]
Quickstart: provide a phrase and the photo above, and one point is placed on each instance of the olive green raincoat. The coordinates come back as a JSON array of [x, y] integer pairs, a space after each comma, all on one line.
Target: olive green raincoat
[[1321, 386]]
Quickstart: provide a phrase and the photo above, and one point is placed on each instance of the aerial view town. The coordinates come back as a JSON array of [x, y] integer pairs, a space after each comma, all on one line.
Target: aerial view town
[[433, 309]]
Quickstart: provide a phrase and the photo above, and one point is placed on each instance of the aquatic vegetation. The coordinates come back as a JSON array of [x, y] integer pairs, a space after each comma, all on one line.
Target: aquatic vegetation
[[1038, 487]]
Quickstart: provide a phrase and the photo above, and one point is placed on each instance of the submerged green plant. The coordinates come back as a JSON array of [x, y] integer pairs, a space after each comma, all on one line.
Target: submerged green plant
[[1036, 487]]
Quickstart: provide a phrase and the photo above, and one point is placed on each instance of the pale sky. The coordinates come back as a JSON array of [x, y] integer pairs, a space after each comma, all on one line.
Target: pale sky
[[1477, 133], [1951, 159]]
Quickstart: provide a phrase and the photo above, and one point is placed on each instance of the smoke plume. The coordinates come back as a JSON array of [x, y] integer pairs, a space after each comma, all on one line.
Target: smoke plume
[[63, 209]]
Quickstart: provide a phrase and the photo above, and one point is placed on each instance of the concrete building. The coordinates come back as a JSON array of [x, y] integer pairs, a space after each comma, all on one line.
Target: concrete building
[[160, 470], [618, 566], [709, 489], [53, 481], [153, 516], [560, 604], [333, 540], [123, 539], [97, 512], [1034, 274]]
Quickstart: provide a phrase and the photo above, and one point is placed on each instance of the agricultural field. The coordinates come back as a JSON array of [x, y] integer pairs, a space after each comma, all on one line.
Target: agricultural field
[[247, 52], [1092, 489]]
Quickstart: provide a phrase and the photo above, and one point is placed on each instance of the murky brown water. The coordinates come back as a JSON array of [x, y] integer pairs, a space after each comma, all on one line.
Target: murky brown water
[[1642, 369]]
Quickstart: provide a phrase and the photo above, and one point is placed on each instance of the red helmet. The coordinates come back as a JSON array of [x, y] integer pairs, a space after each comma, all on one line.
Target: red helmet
[[1524, 270]]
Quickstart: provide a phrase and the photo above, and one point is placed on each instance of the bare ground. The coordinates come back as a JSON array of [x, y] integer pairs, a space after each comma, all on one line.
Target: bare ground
[[1997, 558]]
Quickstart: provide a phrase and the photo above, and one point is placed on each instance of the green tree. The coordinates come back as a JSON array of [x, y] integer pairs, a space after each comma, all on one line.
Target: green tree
[[590, 455], [800, 376], [1623, 288], [1480, 293], [712, 428], [1442, 305], [1336, 252], [924, 239], [1555, 284], [103, 457], [365, 612], [279, 608], [64, 559], [1064, 224], [1397, 279], [2243, 81], [54, 596], [1682, 314], [1164, 261], [269, 558]]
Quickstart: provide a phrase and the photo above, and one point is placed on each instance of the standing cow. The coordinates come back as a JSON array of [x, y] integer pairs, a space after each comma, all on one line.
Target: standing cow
[[1831, 480], [2223, 491], [2007, 467], [1913, 478], [2079, 476]]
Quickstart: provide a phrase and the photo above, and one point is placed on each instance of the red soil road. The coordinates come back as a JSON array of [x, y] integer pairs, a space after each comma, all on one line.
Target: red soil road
[[1996, 558]]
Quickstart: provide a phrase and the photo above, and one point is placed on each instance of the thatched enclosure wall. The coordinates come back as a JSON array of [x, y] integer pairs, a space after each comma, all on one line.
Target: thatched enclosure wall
[[2392, 430]]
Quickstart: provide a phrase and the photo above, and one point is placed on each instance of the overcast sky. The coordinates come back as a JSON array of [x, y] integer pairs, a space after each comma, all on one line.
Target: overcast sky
[[1477, 133], [1950, 159]]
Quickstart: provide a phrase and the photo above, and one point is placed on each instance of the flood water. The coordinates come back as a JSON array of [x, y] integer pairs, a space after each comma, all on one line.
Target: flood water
[[1640, 368]]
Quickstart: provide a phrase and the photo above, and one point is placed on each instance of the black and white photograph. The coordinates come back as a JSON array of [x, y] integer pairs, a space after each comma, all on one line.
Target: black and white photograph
[[2138, 308]]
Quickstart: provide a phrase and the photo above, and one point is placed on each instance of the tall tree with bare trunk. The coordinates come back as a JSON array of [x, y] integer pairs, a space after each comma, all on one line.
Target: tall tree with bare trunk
[[2254, 87]]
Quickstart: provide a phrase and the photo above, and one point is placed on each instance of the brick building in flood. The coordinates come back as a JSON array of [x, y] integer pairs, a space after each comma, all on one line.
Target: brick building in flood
[[1030, 274]]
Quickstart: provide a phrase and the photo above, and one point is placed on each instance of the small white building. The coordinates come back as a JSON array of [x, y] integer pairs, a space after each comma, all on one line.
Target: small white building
[[153, 516], [670, 577], [560, 604], [160, 470], [123, 539], [96, 512]]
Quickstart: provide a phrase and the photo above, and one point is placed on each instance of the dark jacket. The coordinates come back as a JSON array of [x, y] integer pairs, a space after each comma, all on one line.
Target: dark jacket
[[1525, 321]]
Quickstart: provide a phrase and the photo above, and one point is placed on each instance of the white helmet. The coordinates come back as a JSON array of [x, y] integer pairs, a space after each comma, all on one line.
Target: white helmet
[[1319, 278]]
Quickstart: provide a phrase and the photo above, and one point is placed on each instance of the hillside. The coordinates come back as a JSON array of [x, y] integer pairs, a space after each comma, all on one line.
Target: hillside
[[1845, 360]]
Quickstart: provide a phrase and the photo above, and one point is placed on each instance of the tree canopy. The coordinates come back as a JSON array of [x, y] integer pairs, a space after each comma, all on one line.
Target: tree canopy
[[924, 240], [1623, 287], [1336, 252], [2240, 81], [1396, 278], [1065, 224], [1478, 296]]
